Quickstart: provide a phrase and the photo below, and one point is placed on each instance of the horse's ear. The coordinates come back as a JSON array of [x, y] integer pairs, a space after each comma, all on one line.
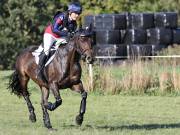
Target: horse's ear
[[80, 27], [90, 27]]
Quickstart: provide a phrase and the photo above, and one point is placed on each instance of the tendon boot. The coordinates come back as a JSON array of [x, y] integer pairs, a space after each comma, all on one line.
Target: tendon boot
[[42, 60]]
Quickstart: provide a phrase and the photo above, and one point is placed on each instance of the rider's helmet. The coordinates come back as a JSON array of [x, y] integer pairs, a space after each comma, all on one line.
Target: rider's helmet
[[75, 7]]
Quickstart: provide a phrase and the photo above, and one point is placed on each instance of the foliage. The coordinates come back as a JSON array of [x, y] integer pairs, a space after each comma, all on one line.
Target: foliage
[[22, 22]]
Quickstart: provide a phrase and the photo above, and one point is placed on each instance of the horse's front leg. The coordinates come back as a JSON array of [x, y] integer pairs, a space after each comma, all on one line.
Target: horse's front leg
[[79, 88], [52, 106]]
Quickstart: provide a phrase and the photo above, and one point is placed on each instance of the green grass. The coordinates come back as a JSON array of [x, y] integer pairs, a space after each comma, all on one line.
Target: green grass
[[106, 115]]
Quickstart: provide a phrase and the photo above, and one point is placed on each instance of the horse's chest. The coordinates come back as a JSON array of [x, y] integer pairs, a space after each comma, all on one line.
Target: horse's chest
[[73, 76]]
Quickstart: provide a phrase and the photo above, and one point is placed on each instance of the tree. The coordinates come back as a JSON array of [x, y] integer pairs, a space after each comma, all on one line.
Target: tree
[[22, 23]]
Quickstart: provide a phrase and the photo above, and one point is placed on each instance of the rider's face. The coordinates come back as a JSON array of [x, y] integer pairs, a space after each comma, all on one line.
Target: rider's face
[[73, 16]]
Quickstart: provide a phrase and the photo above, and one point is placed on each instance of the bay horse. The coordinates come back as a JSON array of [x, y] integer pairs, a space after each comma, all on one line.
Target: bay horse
[[63, 72]]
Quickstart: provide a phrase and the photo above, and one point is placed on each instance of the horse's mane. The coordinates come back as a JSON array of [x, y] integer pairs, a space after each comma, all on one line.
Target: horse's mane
[[63, 50], [72, 43]]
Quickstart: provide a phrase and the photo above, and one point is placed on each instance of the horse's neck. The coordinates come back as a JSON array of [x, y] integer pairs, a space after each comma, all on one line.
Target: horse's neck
[[67, 56], [73, 55], [72, 52]]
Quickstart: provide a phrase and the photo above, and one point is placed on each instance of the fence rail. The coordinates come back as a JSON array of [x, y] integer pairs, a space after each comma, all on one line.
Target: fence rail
[[118, 57]]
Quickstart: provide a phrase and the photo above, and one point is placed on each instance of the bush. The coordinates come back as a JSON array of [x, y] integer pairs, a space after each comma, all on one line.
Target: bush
[[156, 76]]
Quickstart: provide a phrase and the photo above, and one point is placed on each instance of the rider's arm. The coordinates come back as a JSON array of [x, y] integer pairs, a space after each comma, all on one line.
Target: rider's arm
[[58, 27]]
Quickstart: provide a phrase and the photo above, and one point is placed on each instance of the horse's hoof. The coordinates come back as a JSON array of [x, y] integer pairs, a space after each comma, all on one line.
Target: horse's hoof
[[79, 120], [50, 106], [32, 118], [52, 129], [47, 124]]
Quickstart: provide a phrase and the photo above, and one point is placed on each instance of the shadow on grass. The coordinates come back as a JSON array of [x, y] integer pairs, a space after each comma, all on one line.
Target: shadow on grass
[[145, 126], [130, 127]]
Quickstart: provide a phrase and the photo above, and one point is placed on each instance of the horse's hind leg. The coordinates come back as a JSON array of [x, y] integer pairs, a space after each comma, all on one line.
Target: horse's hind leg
[[79, 88], [44, 103], [24, 80]]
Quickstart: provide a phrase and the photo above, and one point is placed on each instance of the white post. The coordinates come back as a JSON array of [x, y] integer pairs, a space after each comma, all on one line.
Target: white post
[[91, 75]]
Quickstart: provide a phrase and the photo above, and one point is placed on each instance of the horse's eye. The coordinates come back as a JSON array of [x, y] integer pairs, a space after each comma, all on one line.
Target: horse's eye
[[83, 38]]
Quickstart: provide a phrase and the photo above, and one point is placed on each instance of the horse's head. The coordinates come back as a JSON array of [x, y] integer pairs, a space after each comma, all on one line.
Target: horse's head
[[84, 43]]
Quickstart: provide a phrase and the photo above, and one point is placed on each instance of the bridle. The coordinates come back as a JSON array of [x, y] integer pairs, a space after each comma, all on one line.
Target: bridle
[[79, 49], [76, 46]]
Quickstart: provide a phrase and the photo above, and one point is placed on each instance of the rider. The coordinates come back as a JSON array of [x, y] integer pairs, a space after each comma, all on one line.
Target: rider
[[62, 27]]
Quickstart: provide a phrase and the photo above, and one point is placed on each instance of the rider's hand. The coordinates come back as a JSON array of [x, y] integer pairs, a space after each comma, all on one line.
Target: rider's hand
[[65, 29], [70, 34]]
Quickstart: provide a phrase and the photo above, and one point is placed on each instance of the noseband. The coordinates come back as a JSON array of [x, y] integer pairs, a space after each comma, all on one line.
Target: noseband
[[81, 51]]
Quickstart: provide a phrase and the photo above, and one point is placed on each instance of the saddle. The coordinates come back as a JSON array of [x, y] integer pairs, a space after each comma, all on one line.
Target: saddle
[[38, 52], [52, 51], [47, 60]]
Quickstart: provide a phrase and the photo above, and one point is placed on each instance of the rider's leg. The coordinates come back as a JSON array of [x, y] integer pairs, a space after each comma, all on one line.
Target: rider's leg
[[42, 60], [48, 40]]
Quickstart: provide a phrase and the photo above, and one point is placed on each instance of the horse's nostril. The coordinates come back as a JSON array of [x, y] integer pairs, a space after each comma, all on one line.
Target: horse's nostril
[[89, 59]]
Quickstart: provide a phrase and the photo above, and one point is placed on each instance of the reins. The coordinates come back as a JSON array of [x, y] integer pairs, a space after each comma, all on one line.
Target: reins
[[75, 44]]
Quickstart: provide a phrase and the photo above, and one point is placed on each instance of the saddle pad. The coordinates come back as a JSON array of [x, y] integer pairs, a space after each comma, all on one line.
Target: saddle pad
[[38, 51]]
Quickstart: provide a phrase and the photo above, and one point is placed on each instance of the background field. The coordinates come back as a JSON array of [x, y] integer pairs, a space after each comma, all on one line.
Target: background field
[[106, 114]]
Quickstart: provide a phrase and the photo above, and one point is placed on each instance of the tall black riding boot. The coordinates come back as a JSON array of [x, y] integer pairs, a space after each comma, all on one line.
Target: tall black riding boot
[[42, 60]]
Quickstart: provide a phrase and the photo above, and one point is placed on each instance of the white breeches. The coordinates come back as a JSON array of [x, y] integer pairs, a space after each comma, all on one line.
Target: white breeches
[[48, 41]]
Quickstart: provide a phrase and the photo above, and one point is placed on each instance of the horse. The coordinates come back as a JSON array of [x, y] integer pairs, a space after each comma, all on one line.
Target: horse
[[64, 71]]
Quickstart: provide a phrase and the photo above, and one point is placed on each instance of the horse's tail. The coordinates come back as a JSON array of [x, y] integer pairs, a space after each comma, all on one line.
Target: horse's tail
[[14, 84]]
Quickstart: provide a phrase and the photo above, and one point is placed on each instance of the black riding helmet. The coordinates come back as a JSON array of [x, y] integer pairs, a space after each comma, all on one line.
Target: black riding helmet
[[75, 7]]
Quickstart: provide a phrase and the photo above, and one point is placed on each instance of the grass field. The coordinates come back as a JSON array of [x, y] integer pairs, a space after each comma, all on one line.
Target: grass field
[[106, 114]]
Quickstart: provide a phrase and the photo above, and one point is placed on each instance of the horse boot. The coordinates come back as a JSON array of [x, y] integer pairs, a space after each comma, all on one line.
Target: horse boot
[[42, 60]]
